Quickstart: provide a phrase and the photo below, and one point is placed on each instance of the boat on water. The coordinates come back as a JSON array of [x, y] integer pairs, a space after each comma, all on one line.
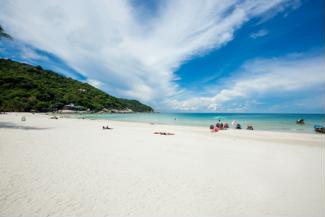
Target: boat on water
[[319, 129], [300, 121]]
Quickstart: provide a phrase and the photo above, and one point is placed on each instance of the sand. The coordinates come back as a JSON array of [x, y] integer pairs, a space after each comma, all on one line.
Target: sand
[[69, 167]]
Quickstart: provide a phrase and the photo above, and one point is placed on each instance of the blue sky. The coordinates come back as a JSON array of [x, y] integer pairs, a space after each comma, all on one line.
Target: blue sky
[[188, 56]]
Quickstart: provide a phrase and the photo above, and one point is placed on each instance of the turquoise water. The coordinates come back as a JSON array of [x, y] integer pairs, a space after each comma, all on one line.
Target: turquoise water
[[269, 122]]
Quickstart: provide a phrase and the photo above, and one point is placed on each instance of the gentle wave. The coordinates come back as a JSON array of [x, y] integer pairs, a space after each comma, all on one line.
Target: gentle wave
[[269, 122]]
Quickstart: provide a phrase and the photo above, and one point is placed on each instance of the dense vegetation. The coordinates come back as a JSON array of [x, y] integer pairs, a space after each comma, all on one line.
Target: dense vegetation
[[25, 88]]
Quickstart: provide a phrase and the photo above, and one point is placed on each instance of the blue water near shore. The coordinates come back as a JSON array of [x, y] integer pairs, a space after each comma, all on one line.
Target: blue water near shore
[[269, 122]]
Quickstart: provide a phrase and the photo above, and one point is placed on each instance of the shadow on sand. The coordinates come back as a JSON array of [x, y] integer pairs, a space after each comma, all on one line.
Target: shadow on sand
[[8, 125]]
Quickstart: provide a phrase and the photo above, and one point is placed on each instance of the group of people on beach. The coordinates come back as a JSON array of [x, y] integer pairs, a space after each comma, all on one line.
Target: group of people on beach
[[223, 126], [219, 126]]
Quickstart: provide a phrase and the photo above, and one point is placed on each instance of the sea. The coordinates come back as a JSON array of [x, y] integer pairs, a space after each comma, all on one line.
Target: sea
[[266, 122]]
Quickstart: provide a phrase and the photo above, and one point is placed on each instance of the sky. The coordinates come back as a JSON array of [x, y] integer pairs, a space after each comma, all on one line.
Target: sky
[[179, 55]]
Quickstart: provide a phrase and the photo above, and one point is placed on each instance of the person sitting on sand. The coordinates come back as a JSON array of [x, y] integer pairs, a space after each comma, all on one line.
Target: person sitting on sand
[[250, 127]]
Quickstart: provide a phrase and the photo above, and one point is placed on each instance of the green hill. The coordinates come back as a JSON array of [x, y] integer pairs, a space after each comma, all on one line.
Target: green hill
[[24, 88]]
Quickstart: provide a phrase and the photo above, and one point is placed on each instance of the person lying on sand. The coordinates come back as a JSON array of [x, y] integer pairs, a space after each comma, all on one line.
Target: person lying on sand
[[219, 126], [214, 129], [107, 128], [164, 133]]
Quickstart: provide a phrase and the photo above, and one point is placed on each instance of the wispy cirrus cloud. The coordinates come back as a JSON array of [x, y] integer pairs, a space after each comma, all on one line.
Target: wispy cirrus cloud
[[109, 43], [260, 33], [261, 79]]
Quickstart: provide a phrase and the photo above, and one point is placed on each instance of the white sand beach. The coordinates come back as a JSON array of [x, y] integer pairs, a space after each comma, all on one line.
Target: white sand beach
[[72, 167]]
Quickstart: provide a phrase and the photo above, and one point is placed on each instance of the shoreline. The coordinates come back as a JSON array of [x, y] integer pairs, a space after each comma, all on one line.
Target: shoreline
[[72, 167], [190, 125], [202, 128], [228, 132]]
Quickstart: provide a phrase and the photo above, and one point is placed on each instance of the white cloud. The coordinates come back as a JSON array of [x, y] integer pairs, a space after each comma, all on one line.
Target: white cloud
[[108, 41], [293, 75], [260, 33]]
